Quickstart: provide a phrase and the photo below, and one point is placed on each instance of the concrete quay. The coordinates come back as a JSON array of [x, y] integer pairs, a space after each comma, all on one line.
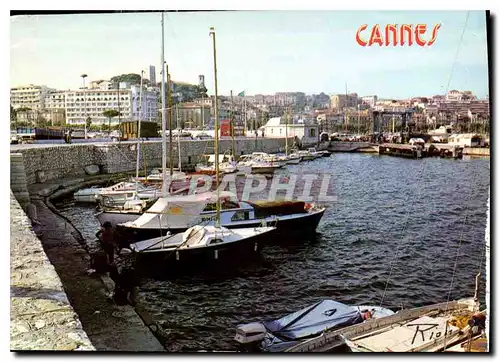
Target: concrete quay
[[40, 312], [100, 324]]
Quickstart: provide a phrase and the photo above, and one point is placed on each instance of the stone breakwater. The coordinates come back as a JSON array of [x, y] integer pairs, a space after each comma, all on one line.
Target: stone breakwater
[[42, 163], [40, 313]]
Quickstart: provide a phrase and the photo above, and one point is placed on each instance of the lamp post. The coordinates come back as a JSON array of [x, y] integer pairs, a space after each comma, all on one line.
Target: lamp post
[[84, 104]]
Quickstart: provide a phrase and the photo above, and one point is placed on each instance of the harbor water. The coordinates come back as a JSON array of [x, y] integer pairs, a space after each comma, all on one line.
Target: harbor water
[[421, 222]]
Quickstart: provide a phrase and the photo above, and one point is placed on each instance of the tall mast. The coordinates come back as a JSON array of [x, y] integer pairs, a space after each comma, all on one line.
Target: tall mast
[[139, 131], [178, 141], [170, 145], [217, 213], [286, 131], [232, 126], [245, 114], [163, 113]]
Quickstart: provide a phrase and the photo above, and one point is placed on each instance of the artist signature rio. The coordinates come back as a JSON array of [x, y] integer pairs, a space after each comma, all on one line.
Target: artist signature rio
[[426, 328], [396, 35]]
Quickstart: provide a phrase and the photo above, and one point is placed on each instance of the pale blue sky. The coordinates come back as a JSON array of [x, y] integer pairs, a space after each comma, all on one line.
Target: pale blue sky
[[258, 51]]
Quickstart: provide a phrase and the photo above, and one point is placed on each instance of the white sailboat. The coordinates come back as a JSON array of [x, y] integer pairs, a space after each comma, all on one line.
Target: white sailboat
[[200, 244]]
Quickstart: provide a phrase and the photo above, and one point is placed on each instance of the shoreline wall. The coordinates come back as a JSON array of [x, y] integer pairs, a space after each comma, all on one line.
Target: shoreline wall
[[41, 315]]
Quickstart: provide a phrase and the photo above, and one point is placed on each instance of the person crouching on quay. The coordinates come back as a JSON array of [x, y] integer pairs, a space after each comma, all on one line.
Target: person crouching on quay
[[107, 240]]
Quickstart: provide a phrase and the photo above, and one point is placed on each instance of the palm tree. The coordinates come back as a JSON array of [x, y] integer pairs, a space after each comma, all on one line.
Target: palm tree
[[110, 113]]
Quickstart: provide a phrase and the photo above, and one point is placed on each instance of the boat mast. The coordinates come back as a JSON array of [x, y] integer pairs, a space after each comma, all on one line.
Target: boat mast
[[139, 136], [217, 212], [170, 145], [286, 132], [179, 149], [163, 113], [232, 126]]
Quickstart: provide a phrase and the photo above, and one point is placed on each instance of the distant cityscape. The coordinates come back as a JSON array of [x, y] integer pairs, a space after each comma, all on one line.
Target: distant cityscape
[[104, 104]]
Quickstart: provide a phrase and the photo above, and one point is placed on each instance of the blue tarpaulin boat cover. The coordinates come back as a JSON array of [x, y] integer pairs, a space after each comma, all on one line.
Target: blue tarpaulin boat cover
[[313, 320]]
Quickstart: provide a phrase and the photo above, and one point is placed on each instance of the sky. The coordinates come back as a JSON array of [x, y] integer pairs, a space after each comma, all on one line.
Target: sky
[[259, 52]]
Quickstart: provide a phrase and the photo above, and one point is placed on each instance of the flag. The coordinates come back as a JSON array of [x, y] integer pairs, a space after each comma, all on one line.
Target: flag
[[241, 94]]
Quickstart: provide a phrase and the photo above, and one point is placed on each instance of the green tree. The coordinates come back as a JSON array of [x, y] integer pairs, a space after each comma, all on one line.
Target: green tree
[[27, 112], [130, 78], [13, 117], [88, 122], [110, 113]]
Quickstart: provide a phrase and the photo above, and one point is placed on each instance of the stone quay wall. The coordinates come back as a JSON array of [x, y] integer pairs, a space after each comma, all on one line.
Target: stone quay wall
[[475, 151], [42, 163], [40, 314]]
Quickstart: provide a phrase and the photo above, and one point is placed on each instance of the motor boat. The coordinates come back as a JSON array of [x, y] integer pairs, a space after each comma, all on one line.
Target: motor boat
[[226, 165], [257, 162], [281, 334], [118, 193], [176, 214], [306, 155], [118, 196], [87, 195], [315, 153], [293, 159]]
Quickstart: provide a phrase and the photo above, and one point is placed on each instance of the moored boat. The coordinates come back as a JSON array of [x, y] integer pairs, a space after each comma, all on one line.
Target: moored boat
[[293, 159], [314, 153], [442, 325], [199, 246], [119, 193], [293, 218], [306, 155], [288, 331]]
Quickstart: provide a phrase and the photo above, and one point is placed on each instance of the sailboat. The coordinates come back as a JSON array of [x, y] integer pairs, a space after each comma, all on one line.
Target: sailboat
[[202, 243], [123, 196]]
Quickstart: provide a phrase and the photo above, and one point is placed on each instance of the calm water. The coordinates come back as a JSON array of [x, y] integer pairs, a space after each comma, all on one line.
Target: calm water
[[391, 216]]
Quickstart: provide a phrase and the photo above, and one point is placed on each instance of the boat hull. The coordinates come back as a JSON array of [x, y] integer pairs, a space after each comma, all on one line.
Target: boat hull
[[264, 169], [296, 225], [293, 161], [116, 218], [308, 158], [195, 259]]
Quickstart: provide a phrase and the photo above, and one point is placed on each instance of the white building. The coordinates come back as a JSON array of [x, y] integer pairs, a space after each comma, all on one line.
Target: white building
[[459, 96], [306, 130], [55, 107], [369, 100], [82, 104], [466, 140], [29, 96], [149, 110]]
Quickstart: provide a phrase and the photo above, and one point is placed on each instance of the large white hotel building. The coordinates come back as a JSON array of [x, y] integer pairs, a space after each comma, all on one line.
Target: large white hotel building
[[79, 105]]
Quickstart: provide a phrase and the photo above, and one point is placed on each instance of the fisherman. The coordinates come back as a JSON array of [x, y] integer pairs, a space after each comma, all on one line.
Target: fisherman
[[125, 283], [107, 240]]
